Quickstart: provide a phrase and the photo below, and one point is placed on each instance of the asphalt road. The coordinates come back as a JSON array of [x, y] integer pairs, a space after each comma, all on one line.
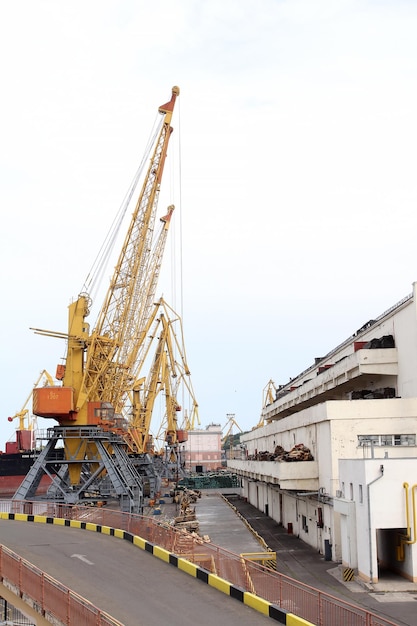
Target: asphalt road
[[128, 583]]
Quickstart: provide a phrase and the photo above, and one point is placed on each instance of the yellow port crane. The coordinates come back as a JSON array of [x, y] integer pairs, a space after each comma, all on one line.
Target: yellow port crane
[[268, 397], [172, 431], [169, 370], [102, 367], [228, 437], [99, 365], [24, 432], [231, 422], [147, 389]]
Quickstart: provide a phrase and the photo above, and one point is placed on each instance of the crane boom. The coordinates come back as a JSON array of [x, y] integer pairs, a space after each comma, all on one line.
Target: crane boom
[[133, 353], [146, 391], [100, 366], [114, 343], [168, 373]]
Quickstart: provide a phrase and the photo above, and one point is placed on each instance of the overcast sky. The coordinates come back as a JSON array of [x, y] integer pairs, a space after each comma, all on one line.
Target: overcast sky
[[294, 143]]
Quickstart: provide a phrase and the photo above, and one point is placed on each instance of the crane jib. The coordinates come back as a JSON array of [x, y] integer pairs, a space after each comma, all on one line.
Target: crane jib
[[100, 366]]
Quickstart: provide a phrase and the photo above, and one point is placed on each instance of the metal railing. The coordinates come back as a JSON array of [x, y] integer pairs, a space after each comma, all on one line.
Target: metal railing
[[307, 602], [47, 596]]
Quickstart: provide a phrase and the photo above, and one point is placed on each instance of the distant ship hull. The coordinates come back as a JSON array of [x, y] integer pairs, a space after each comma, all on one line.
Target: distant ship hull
[[13, 469], [16, 461]]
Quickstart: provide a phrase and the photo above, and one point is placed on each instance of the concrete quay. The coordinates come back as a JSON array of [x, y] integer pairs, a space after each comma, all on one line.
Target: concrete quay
[[221, 516]]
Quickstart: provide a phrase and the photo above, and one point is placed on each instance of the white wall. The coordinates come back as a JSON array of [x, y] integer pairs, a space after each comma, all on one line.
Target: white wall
[[404, 329], [330, 430], [383, 481]]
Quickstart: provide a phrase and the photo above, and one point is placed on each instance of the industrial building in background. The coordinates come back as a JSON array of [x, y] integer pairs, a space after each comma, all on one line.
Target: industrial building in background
[[334, 458], [202, 450]]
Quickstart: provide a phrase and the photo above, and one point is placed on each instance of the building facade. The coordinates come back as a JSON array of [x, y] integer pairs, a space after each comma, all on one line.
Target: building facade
[[354, 412], [202, 451]]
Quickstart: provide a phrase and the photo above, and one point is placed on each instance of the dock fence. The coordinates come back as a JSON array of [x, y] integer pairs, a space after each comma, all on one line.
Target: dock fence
[[291, 595]]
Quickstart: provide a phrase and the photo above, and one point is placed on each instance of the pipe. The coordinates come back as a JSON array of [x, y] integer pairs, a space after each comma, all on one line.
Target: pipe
[[381, 468], [408, 540], [413, 499], [407, 509]]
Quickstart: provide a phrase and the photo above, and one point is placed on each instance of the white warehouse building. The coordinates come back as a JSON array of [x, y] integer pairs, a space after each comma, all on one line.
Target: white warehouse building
[[354, 415]]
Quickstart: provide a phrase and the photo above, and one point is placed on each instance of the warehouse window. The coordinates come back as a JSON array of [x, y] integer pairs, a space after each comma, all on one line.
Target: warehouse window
[[304, 523], [387, 440], [368, 440]]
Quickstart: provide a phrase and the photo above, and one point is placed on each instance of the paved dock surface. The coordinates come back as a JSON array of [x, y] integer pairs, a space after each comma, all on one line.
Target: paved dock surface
[[220, 523], [392, 597]]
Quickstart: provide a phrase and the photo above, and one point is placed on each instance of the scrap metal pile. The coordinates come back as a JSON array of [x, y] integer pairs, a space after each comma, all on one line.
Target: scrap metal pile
[[300, 452]]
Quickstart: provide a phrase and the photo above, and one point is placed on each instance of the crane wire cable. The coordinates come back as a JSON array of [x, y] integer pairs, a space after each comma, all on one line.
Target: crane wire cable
[[177, 269], [94, 277]]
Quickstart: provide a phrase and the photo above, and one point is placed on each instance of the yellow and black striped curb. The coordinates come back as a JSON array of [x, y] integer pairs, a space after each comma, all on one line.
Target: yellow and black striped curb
[[255, 602]]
